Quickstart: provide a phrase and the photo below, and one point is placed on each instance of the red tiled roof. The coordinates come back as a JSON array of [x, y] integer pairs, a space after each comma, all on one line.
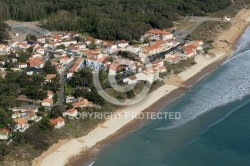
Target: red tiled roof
[[155, 45], [35, 61], [76, 64], [122, 41], [22, 44], [83, 102], [103, 59], [115, 67], [4, 131], [56, 121], [133, 77], [20, 121], [90, 39], [72, 47], [107, 44], [38, 47], [158, 32], [50, 92], [50, 76], [47, 100], [57, 37], [71, 111]]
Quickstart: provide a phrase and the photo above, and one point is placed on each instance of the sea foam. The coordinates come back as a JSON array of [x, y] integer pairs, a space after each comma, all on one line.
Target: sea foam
[[230, 83]]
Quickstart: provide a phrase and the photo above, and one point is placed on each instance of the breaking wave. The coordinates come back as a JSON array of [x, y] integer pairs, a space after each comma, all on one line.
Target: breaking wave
[[229, 84]]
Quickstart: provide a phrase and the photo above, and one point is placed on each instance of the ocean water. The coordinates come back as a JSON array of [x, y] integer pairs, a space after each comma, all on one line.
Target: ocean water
[[214, 129]]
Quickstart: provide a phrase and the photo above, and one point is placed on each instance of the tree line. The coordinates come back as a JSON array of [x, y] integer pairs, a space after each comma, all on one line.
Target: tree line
[[109, 19], [3, 31]]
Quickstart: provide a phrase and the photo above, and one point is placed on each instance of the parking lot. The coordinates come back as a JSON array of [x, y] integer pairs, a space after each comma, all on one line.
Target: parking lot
[[24, 28]]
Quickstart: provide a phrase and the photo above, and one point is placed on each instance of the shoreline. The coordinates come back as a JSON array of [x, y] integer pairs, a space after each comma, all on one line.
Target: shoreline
[[70, 151], [79, 160]]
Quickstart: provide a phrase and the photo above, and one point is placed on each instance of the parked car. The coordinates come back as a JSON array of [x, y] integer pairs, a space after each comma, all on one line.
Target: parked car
[[180, 34]]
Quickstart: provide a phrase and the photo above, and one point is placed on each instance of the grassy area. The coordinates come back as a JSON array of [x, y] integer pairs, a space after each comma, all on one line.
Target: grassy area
[[208, 30], [115, 93], [233, 9], [68, 89], [180, 66]]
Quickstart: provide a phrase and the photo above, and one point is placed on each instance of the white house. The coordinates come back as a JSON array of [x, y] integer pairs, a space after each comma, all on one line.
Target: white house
[[227, 18], [150, 76], [47, 102], [58, 122], [35, 62], [67, 43], [97, 63], [16, 115], [36, 55], [49, 77], [131, 79], [80, 45], [12, 60], [70, 99], [21, 124], [78, 64], [70, 112], [4, 134], [65, 59], [33, 70], [50, 94], [133, 49], [25, 108], [91, 39], [157, 34], [114, 68], [4, 48], [122, 43], [2, 63], [56, 38], [108, 48], [22, 45], [39, 49], [51, 45], [41, 39], [82, 103], [30, 115]]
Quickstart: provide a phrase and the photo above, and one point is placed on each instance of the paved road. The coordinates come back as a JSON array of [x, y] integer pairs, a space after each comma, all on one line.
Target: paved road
[[61, 94]]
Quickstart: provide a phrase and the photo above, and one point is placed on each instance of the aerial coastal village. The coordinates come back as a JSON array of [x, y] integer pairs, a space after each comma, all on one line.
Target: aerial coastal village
[[69, 52], [75, 75]]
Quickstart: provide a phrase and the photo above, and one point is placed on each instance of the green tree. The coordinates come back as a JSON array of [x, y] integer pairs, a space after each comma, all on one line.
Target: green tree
[[92, 46], [62, 46], [3, 32], [5, 118], [49, 68], [31, 37], [41, 109], [78, 39], [44, 124], [56, 111]]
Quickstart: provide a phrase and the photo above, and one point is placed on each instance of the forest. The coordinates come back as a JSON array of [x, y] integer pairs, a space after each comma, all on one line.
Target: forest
[[109, 19], [3, 32]]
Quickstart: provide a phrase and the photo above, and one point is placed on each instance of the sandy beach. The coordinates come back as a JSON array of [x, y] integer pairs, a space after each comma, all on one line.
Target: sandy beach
[[60, 153]]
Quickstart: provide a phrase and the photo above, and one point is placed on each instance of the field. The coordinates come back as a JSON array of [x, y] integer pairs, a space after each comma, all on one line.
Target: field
[[233, 9], [209, 30]]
